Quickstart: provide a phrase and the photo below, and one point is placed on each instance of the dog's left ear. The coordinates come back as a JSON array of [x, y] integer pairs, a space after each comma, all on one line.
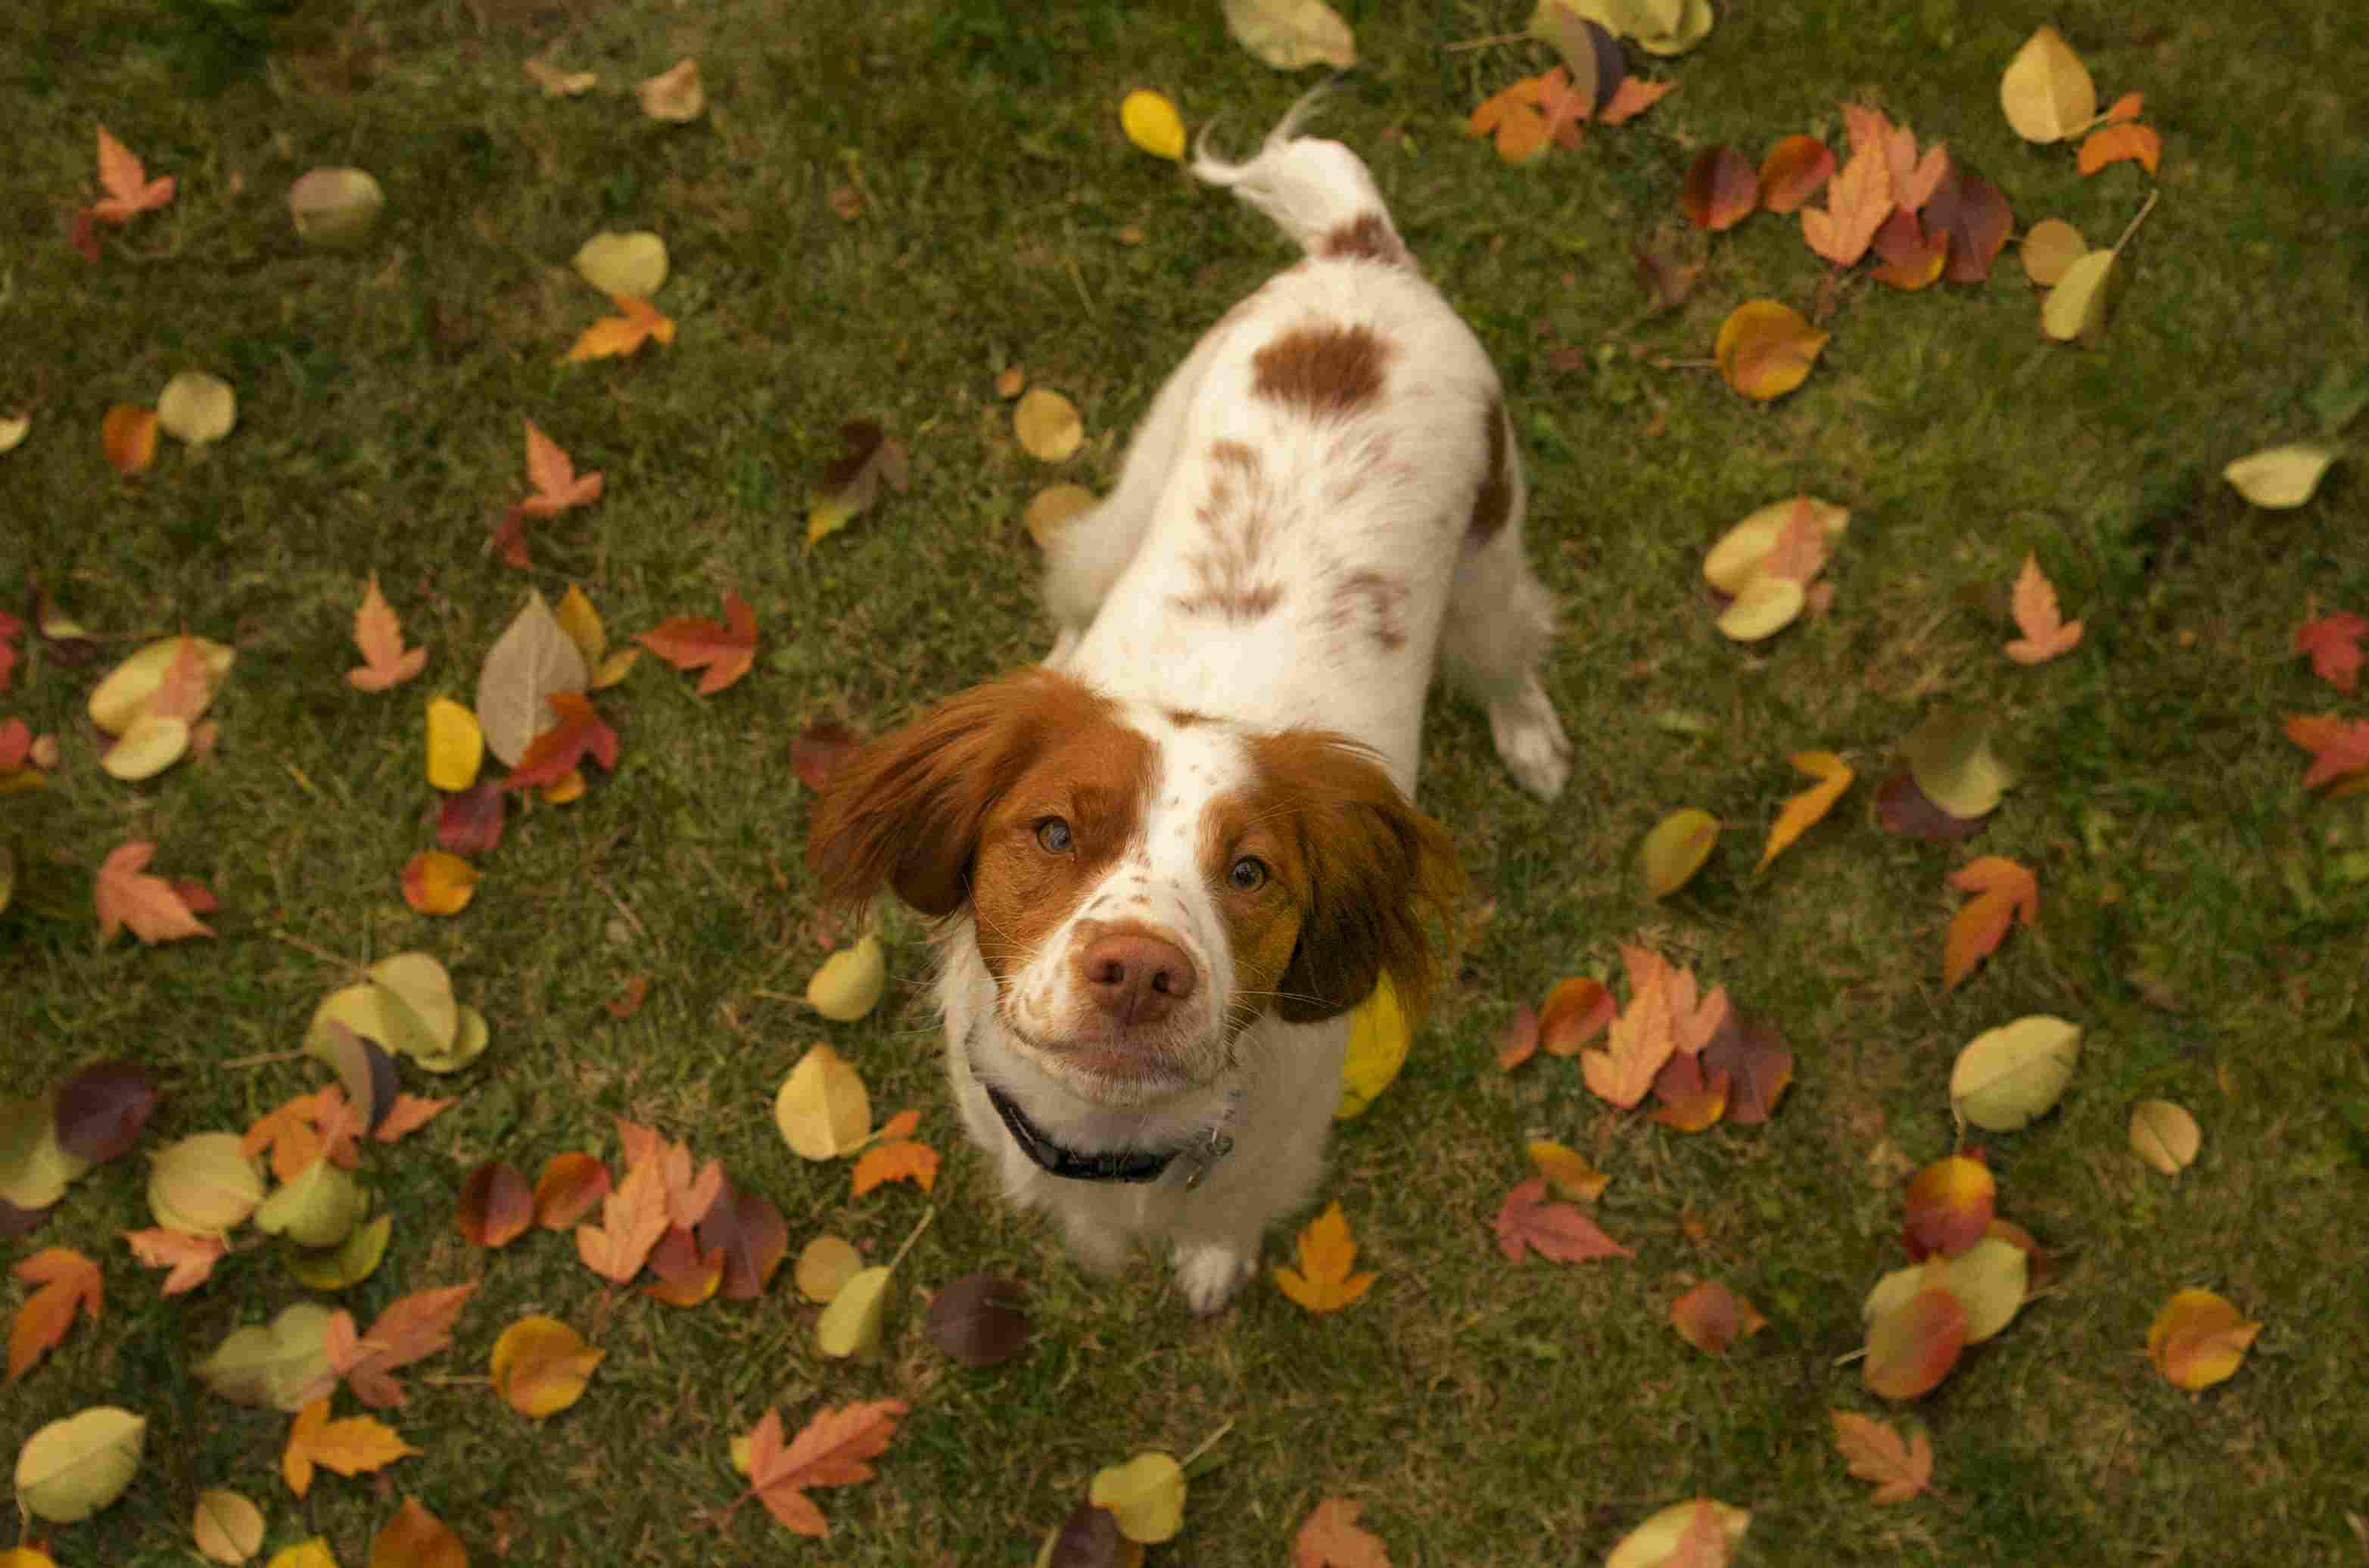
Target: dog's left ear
[[1376, 867]]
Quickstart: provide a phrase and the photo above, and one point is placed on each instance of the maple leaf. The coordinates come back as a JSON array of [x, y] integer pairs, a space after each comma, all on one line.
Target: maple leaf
[[829, 1450], [1858, 199], [1323, 1282], [304, 1129], [551, 755], [68, 1282], [149, 905], [2046, 633], [632, 1219], [901, 1159], [349, 1446], [2334, 643], [2113, 143], [1875, 1453], [689, 1197], [191, 1259], [408, 1329], [1515, 115], [558, 486], [1641, 1038], [613, 336], [407, 1115], [379, 635], [1328, 1537], [2338, 749], [1806, 809], [1632, 97], [692, 642], [2003, 891], [130, 191], [1554, 1230]]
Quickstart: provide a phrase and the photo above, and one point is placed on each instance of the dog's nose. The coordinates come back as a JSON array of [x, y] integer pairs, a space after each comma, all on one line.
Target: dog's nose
[[1136, 979]]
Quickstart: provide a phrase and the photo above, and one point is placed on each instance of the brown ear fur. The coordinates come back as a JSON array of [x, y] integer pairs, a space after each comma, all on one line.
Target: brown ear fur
[[1376, 866], [904, 811]]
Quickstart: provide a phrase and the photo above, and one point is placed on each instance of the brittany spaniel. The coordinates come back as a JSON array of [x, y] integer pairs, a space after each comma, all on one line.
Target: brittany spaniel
[[1169, 862]]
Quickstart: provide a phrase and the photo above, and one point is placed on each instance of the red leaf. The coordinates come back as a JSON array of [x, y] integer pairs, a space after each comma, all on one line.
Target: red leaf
[[558, 750], [1554, 1230], [1721, 188], [68, 1281], [2334, 643], [1518, 1040], [689, 642], [471, 821], [497, 1205], [1711, 1317]]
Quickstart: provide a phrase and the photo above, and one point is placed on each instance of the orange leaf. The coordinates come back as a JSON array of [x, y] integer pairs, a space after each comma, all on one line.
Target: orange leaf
[[1567, 1171], [689, 642], [2199, 1339], [1948, 1207], [349, 1446], [1642, 1039], [687, 1273], [1875, 1453], [1857, 201], [1720, 189], [1632, 97], [557, 487], [129, 436], [2114, 144], [408, 1114], [2333, 641], [541, 1366], [2003, 891], [2128, 107], [129, 189], [1911, 1349], [1793, 171], [69, 1282], [632, 1218], [379, 635], [1711, 1317], [1806, 809], [1692, 1097], [1765, 348], [2338, 749], [1323, 1282], [553, 754], [191, 1259], [1576, 1010], [2045, 633], [613, 336], [1527, 1221], [1514, 114], [1913, 256], [1328, 1537], [829, 1450], [149, 905], [437, 882], [568, 1188], [901, 1160], [408, 1329], [418, 1539]]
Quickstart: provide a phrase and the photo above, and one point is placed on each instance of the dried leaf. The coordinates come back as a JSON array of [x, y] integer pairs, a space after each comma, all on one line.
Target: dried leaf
[[1527, 1221], [1721, 188], [852, 481], [72, 1468], [2076, 308], [673, 95], [436, 882], [1805, 810], [1048, 425], [1292, 34], [149, 906], [1795, 169], [68, 1283], [335, 207], [495, 1204], [1635, 96], [226, 1527], [379, 635], [2282, 476], [190, 1259], [2046, 634], [100, 1108], [2047, 92], [2004, 892], [1948, 1207], [559, 751], [2116, 144], [1643, 1037], [1323, 1282], [532, 661], [822, 1109], [632, 264], [2199, 1339], [128, 435], [614, 337], [824, 1268], [632, 1218], [1765, 349], [2009, 1077], [979, 1320], [2333, 641], [1328, 1537], [750, 1233], [130, 191], [567, 1189], [1972, 218], [1858, 199], [1875, 1452], [2165, 1136], [900, 1160], [724, 650], [1145, 1494], [831, 1449], [541, 1366], [352, 1446], [2051, 250], [1912, 1347], [1711, 1317], [1697, 1533]]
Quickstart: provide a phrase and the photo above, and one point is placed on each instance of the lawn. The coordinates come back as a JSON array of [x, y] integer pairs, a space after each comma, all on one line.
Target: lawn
[[882, 208]]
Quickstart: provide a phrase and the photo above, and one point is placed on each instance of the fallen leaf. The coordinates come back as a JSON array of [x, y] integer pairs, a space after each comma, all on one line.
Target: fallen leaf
[[632, 1217], [673, 95], [1805, 810], [852, 481], [1721, 188], [1292, 34], [2165, 1136], [633, 264], [1635, 96], [1517, 1041], [979, 1320], [100, 1107], [1513, 115], [2047, 93], [437, 882], [750, 1234], [1795, 169], [831, 1449], [558, 83], [1557, 1231], [1875, 1452], [2076, 308], [2007, 1077], [1711, 1317], [1329, 1538], [1912, 1347], [2116, 144], [1912, 256], [1948, 1207], [568, 1188], [824, 1266], [532, 661], [1697, 1533], [69, 1283], [1971, 217], [352, 1446], [725, 650], [2333, 641], [1576, 1010], [1790, 539], [614, 337], [335, 207], [197, 407], [2004, 892], [128, 436], [1641, 1038], [1379, 1036], [1950, 760], [1676, 849], [1048, 425], [456, 749], [150, 906], [2281, 477], [901, 1159], [1691, 1096], [2046, 634], [1765, 349], [1323, 1282], [2199, 1339], [580, 733], [1152, 122], [379, 635], [190, 1259], [226, 1527], [541, 1366], [1145, 1494], [73, 1467], [495, 1204], [1859, 198], [416, 1538]]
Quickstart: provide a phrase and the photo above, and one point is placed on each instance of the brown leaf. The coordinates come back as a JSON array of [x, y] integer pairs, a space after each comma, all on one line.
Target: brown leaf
[[101, 1107], [1758, 1066], [1969, 212], [1691, 1098], [1554, 1230], [1875, 1452], [1903, 808], [1795, 169], [567, 1190], [979, 1320], [1576, 1010], [495, 1204], [418, 1539], [818, 748], [724, 650], [1720, 189], [1711, 1317]]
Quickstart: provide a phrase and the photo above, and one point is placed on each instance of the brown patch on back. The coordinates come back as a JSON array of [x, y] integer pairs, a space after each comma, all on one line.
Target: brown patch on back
[[1373, 866], [1493, 503], [1236, 517], [1365, 237], [1323, 369], [1373, 597]]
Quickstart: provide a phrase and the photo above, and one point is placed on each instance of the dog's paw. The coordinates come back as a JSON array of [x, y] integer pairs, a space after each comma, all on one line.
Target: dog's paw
[[1531, 739], [1096, 1249], [1210, 1275]]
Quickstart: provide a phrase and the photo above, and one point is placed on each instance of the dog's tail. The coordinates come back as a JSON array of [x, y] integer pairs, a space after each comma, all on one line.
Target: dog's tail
[[1321, 193]]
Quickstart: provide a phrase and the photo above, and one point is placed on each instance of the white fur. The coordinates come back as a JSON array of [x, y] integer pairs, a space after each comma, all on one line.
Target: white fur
[[1381, 493]]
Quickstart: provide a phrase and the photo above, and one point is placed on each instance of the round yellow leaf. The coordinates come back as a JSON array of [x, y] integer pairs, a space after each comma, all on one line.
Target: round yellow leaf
[[849, 983], [71, 1469], [824, 1268], [2047, 93], [632, 264], [319, 1208], [437, 882], [1988, 1278], [1378, 1037], [1766, 607], [197, 407], [2165, 1136], [203, 1185], [1048, 425], [1765, 349], [13, 430], [313, 1553], [1152, 124], [2053, 245], [1736, 558], [456, 745], [1677, 849], [541, 1366], [335, 207], [823, 1109], [2199, 1339], [1147, 1494], [228, 1527], [125, 693]]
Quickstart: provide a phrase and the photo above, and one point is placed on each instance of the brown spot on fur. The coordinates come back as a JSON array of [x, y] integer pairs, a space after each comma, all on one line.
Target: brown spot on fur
[[1261, 924], [1235, 515], [1493, 503], [1365, 237], [945, 809], [1373, 866], [1378, 596], [1323, 369]]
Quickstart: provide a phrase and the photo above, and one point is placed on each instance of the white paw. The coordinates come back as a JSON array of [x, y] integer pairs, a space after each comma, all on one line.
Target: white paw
[[1098, 1251], [1210, 1275], [1531, 739]]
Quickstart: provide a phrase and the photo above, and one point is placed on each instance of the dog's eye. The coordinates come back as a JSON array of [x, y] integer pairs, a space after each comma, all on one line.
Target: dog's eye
[[1247, 875], [1054, 835]]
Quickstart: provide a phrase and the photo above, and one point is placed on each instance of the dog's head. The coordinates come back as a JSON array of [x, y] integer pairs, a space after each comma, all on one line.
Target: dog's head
[[1141, 884]]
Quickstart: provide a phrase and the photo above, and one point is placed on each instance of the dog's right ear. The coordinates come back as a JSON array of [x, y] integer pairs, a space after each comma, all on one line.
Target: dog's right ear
[[905, 810]]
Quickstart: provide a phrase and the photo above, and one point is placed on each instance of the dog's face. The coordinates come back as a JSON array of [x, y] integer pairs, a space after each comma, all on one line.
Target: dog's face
[[1142, 886]]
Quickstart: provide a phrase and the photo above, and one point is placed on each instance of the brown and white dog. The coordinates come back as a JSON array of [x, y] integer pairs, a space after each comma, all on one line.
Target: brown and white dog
[[1168, 862]]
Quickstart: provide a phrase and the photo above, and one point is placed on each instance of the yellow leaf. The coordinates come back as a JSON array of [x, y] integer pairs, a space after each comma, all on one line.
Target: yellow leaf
[[313, 1553], [1147, 1494], [1766, 347], [2051, 247], [76, 1466], [823, 1108], [1806, 809], [849, 983], [1050, 508], [197, 407], [1676, 848], [1567, 1171], [1048, 425], [456, 745], [1152, 124], [1746, 550], [850, 1325], [541, 1366], [150, 677], [1378, 1037], [2279, 477], [622, 264], [674, 94], [2076, 307], [2165, 1136], [1700, 1531], [1290, 34], [824, 1268], [582, 623], [2047, 93], [2199, 1339], [349, 1446], [1323, 1282], [227, 1527], [335, 207], [1767, 606]]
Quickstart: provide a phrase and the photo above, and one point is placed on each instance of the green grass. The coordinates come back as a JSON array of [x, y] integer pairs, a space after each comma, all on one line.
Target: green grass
[[1480, 1413]]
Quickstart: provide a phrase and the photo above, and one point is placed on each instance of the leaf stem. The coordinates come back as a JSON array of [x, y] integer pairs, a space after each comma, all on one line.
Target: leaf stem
[[2145, 208], [912, 1236], [1207, 1444]]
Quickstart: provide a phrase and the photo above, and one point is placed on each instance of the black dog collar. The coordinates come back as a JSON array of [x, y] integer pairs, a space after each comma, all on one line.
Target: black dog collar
[[1118, 1165]]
